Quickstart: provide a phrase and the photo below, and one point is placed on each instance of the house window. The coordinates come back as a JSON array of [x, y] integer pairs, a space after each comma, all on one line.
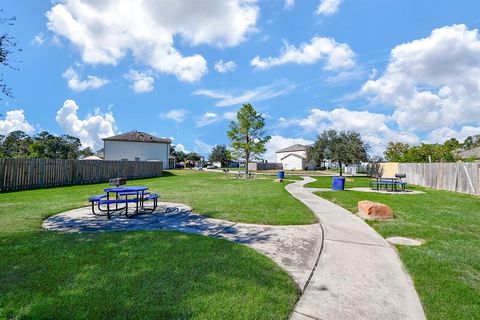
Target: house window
[[137, 158]]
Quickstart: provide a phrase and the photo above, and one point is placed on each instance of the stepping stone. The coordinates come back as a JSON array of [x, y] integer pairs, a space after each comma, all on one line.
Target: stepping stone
[[402, 241]]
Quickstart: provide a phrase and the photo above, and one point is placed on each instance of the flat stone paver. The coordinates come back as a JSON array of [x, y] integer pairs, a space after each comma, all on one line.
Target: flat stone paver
[[359, 275], [294, 248], [402, 241]]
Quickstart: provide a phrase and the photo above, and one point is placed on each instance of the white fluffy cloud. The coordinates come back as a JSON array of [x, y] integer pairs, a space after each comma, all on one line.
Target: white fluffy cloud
[[105, 31], [278, 142], [262, 93], [433, 82], [39, 39], [77, 84], [375, 128], [177, 115], [337, 56], [181, 147], [441, 134], [90, 130], [224, 67], [288, 4], [207, 119], [15, 120], [202, 148], [328, 7], [140, 81], [230, 116]]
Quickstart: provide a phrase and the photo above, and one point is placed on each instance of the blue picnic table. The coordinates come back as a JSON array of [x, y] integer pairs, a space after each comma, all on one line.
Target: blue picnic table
[[117, 199], [388, 184]]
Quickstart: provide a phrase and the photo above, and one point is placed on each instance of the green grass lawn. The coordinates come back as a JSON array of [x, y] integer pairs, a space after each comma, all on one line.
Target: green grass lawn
[[145, 275], [446, 270]]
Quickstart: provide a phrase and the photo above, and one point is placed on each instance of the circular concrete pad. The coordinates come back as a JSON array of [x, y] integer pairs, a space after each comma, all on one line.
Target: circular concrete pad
[[402, 241]]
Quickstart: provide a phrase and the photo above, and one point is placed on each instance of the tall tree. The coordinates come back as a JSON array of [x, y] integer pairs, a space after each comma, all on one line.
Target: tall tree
[[221, 154], [16, 145], [247, 134], [48, 146], [425, 152], [179, 155], [344, 147], [396, 151], [471, 142], [8, 45]]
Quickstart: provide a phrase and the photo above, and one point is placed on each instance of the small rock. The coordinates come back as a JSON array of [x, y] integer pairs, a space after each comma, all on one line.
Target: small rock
[[405, 241], [374, 211]]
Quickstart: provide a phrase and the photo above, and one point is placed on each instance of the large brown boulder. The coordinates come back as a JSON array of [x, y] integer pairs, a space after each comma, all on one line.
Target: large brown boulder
[[374, 211]]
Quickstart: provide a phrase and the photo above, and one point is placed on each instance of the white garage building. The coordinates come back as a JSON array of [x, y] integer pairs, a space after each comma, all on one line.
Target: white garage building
[[294, 158], [138, 146]]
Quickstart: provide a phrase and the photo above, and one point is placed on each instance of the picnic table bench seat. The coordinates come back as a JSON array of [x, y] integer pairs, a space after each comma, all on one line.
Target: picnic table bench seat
[[103, 202], [97, 197], [149, 197], [376, 185]]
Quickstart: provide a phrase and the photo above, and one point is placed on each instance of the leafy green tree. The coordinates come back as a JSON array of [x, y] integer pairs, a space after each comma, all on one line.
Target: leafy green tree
[[48, 146], [247, 134], [221, 154], [2, 153], [446, 152], [344, 147], [179, 155], [8, 45], [69, 147], [471, 142], [193, 156], [16, 145], [87, 152], [396, 151]]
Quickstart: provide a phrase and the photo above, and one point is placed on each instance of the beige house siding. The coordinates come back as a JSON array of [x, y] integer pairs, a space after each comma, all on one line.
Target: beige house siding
[[141, 151], [390, 169]]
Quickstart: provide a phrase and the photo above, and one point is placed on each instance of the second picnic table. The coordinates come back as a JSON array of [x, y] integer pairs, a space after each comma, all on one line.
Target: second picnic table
[[388, 184]]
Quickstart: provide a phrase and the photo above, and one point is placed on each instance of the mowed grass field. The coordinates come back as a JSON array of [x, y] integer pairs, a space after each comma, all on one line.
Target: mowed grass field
[[145, 275], [446, 270]]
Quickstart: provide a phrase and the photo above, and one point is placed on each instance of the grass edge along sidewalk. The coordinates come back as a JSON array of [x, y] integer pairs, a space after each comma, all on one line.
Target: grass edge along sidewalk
[[446, 270]]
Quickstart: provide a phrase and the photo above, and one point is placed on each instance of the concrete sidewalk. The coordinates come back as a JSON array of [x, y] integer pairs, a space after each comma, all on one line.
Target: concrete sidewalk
[[358, 275]]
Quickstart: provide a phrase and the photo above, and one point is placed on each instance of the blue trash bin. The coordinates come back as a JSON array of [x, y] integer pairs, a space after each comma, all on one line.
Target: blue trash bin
[[281, 175], [338, 183]]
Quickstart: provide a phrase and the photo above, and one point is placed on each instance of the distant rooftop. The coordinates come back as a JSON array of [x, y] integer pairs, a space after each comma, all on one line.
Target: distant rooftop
[[295, 147], [472, 153], [138, 136]]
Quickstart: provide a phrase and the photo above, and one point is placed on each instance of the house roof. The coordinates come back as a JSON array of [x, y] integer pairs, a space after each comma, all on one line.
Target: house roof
[[472, 153], [293, 155], [295, 147], [92, 158], [138, 136]]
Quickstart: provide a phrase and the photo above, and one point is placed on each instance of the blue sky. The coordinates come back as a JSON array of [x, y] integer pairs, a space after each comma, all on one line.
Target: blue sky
[[404, 70]]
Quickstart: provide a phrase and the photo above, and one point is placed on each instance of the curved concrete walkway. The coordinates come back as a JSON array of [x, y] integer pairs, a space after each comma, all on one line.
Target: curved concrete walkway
[[294, 248], [358, 275]]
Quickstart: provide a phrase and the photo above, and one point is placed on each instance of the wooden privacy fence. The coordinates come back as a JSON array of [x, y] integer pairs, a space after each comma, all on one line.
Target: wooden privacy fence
[[19, 174], [264, 166], [458, 177]]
